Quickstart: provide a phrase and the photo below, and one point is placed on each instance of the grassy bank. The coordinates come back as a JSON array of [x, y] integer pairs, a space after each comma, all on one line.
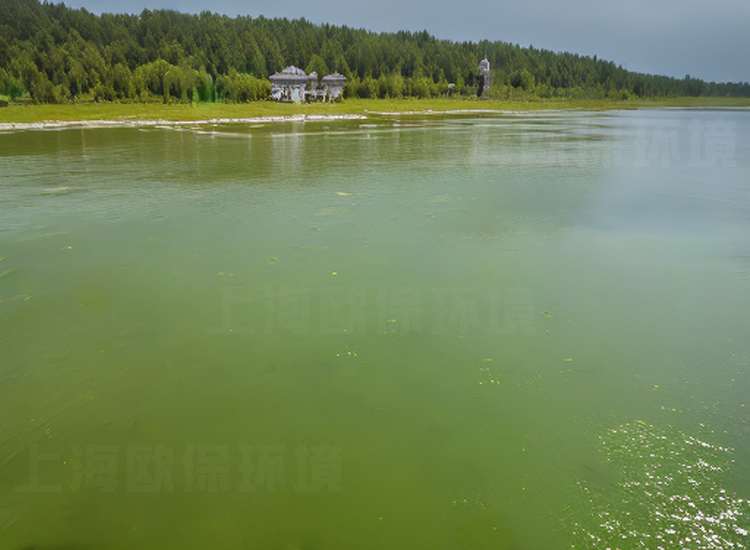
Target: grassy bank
[[205, 111]]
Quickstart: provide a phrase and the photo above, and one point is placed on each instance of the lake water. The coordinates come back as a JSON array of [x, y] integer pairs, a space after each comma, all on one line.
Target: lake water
[[523, 331]]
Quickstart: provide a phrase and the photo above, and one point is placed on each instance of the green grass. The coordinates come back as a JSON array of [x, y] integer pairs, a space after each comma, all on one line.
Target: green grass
[[204, 111]]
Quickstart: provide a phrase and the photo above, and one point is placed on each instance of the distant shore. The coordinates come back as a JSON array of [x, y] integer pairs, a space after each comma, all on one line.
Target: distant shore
[[18, 117]]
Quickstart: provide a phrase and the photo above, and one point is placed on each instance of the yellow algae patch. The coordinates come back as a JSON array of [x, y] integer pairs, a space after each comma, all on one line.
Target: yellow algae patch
[[440, 198], [329, 211]]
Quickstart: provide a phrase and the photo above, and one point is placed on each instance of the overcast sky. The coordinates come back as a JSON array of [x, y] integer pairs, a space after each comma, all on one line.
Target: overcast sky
[[708, 40]]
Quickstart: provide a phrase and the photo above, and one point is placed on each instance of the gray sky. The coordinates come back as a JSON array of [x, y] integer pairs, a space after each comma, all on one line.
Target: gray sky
[[708, 40]]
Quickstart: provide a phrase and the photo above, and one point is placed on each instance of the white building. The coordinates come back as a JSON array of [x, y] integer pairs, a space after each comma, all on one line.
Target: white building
[[333, 86], [292, 84], [484, 70]]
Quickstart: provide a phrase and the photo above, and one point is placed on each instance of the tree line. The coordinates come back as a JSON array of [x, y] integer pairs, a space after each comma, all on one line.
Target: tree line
[[50, 53]]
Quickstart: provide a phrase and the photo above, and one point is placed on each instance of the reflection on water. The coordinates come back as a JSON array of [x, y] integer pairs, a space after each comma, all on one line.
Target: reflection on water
[[669, 494], [399, 333]]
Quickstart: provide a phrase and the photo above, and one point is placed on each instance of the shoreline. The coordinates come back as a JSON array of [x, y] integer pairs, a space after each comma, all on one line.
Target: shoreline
[[155, 123], [137, 115], [151, 123]]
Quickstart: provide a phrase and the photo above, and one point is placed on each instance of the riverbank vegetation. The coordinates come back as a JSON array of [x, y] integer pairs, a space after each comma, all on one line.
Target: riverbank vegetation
[[50, 53]]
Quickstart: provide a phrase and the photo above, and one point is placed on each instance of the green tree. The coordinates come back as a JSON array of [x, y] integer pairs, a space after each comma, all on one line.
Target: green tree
[[317, 65], [522, 79], [57, 53]]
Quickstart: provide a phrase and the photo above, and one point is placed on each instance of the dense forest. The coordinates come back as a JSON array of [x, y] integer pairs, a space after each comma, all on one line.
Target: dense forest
[[50, 53]]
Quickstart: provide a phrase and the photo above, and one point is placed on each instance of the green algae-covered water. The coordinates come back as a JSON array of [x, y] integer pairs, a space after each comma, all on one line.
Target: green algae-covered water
[[503, 332]]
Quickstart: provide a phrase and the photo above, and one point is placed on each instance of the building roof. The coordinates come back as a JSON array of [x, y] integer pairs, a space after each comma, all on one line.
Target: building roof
[[291, 69], [291, 74], [334, 77]]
